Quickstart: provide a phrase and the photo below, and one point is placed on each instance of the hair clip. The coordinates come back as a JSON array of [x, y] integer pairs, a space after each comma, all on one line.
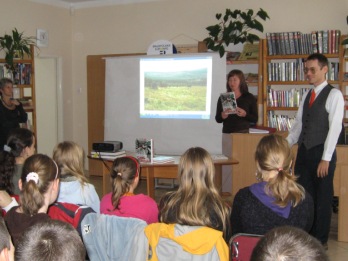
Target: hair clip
[[7, 148], [56, 169], [33, 176]]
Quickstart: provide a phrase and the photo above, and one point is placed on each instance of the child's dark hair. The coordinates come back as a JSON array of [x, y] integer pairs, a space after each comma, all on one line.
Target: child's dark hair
[[18, 139], [124, 171], [38, 172], [51, 240]]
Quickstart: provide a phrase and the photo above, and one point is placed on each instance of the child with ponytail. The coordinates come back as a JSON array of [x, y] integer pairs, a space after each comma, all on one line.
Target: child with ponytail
[[122, 201], [39, 185], [19, 146], [277, 200]]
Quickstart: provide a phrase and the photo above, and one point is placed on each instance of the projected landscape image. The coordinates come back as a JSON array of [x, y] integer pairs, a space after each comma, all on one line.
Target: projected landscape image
[[175, 91], [175, 87]]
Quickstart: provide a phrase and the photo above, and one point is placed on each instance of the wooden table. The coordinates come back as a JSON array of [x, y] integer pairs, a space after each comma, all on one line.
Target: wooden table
[[164, 171]]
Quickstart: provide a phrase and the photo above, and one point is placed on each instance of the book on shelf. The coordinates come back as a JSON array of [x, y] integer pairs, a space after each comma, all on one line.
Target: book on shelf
[[229, 102], [269, 43], [251, 77], [280, 122], [231, 57], [144, 150], [250, 52], [285, 43]]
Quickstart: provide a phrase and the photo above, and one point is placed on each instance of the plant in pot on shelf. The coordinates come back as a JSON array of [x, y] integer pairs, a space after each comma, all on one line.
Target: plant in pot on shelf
[[16, 45], [234, 27]]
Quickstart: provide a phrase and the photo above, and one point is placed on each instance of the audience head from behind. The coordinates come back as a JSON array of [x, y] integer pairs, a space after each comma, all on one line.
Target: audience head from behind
[[273, 162], [288, 244], [69, 156], [6, 246], [124, 177], [51, 240], [197, 201], [39, 184], [19, 146]]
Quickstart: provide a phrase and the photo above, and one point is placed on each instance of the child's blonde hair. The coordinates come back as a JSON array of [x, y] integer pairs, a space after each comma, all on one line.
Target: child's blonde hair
[[124, 171], [197, 199], [69, 157], [273, 153], [38, 172]]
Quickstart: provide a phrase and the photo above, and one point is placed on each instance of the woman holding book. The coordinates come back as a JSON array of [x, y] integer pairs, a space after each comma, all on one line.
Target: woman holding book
[[237, 121], [246, 111]]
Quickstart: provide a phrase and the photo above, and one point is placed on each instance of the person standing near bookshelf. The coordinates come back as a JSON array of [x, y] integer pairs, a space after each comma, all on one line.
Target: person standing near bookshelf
[[239, 122], [316, 129], [11, 111]]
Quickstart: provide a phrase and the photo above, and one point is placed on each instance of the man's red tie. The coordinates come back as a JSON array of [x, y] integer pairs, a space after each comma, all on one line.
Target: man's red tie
[[312, 98]]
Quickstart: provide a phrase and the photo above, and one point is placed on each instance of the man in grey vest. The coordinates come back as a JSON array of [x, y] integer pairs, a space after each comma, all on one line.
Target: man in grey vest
[[316, 129]]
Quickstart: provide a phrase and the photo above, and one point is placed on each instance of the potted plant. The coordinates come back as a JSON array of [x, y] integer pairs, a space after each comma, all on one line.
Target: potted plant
[[234, 27], [16, 46]]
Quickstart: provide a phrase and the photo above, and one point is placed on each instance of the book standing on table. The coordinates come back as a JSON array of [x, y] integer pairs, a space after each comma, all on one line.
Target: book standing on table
[[144, 150]]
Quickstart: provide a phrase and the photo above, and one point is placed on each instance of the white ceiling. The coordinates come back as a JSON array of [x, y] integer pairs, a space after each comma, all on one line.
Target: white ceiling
[[77, 4]]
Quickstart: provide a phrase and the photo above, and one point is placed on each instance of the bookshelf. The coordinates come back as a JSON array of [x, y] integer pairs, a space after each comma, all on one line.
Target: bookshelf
[[283, 81], [252, 69], [24, 86], [344, 76]]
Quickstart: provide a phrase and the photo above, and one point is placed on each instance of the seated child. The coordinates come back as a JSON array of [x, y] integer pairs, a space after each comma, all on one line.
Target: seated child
[[19, 146], [6, 246], [39, 186], [122, 201], [51, 240], [288, 243], [197, 201], [74, 186], [277, 200]]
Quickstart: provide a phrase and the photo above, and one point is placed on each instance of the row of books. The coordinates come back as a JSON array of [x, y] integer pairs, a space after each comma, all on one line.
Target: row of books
[[287, 43], [280, 122], [285, 98], [22, 73], [294, 71]]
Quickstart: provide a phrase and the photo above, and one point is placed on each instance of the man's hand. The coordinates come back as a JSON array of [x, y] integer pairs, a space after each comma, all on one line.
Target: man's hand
[[323, 168]]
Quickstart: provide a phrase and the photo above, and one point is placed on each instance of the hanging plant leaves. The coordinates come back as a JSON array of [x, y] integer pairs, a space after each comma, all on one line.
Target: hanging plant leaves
[[234, 27]]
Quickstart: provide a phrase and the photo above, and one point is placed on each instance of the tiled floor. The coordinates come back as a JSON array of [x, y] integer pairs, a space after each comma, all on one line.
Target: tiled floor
[[338, 251]]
